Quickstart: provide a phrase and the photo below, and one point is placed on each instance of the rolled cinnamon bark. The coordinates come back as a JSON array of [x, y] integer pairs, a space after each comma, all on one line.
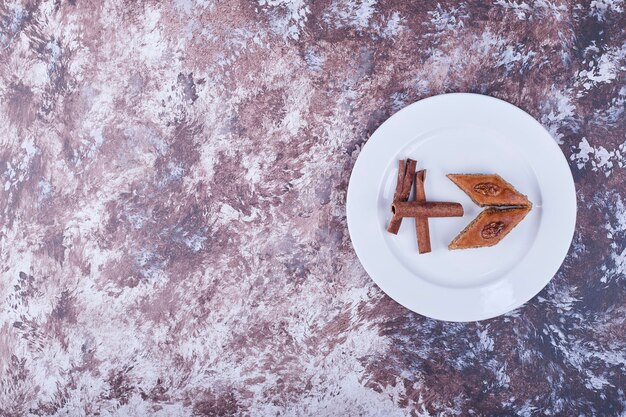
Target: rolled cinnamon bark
[[426, 209], [406, 176], [400, 181], [422, 231]]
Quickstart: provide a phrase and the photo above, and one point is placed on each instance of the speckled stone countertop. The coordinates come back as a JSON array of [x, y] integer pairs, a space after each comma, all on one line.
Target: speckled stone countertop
[[173, 238]]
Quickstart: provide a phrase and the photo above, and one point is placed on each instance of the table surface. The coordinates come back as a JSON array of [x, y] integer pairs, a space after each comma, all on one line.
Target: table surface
[[173, 237]]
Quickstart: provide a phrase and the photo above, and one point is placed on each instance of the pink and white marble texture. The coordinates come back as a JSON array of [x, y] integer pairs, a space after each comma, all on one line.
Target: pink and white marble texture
[[173, 178]]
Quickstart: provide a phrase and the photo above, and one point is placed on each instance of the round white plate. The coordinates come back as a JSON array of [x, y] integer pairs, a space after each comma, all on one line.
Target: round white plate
[[468, 134]]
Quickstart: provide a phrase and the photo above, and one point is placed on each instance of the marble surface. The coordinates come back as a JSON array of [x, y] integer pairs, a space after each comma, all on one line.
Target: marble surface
[[173, 238]]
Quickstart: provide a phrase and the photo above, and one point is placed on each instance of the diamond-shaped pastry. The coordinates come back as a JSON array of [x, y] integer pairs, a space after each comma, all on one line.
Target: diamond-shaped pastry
[[489, 228], [489, 190]]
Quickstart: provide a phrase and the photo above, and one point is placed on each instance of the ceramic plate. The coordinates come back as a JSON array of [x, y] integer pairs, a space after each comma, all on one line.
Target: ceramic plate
[[462, 133]]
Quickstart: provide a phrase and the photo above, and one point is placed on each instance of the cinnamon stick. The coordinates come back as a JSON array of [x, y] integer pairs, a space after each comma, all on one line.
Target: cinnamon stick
[[406, 176], [400, 180], [426, 209], [422, 231]]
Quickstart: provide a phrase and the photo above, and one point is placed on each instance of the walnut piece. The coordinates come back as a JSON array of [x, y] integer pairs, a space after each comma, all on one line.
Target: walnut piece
[[492, 230], [487, 188]]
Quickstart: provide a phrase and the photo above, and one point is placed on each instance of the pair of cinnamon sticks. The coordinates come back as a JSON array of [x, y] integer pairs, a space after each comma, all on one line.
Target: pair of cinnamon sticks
[[420, 209]]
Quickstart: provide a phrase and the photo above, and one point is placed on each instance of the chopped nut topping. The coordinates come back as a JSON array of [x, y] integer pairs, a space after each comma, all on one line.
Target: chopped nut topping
[[492, 230], [487, 188]]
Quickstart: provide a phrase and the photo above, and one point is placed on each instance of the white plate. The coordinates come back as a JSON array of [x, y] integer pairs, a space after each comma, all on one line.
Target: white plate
[[462, 133]]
